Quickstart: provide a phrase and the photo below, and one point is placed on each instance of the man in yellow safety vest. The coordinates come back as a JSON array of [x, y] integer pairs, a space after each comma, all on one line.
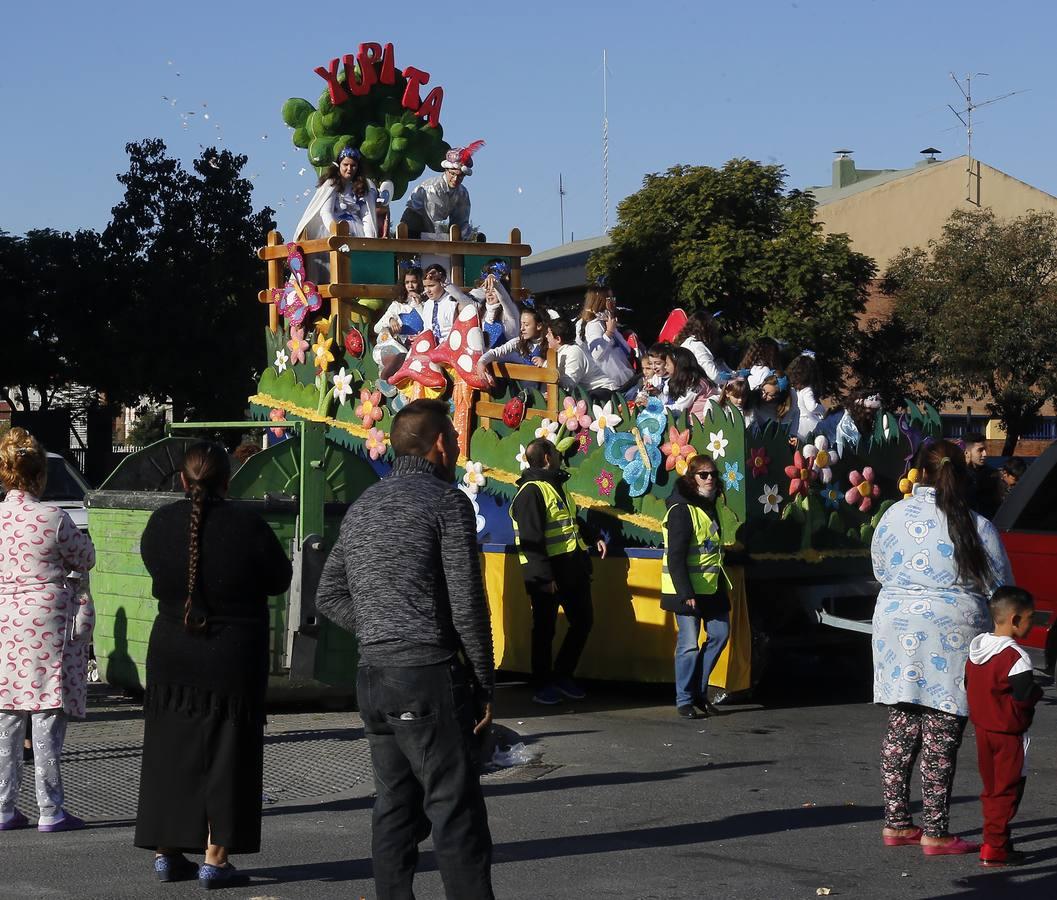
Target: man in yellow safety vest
[[556, 568], [694, 584]]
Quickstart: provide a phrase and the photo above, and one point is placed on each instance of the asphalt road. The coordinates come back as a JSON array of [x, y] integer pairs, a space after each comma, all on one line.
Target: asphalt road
[[626, 801]]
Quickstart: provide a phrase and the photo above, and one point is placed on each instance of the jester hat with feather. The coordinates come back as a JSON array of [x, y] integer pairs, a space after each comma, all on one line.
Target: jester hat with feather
[[461, 158]]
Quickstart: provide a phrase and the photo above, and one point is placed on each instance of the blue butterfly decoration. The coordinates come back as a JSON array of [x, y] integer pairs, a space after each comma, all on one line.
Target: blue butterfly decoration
[[638, 452]]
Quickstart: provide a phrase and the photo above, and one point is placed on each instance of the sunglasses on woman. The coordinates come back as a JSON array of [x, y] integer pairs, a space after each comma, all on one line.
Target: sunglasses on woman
[[705, 475]]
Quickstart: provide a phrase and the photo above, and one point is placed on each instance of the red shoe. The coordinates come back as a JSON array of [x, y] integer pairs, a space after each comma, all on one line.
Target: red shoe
[[902, 840], [956, 847], [1000, 856]]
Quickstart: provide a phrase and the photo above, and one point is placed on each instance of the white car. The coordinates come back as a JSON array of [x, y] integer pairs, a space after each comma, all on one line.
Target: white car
[[66, 488]]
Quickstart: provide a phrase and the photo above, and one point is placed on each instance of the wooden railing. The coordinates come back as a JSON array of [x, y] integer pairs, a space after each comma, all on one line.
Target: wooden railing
[[343, 293]]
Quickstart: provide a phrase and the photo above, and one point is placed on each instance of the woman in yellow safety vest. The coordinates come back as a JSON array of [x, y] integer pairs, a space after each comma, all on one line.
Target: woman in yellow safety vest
[[694, 585], [556, 568]]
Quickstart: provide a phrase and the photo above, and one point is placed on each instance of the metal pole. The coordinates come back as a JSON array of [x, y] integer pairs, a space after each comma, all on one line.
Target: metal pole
[[561, 204]]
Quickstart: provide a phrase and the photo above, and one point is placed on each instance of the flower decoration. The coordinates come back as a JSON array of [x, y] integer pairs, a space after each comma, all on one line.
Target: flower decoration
[[759, 461], [733, 476], [548, 429], [605, 482], [474, 478], [281, 359], [322, 327], [369, 409], [343, 385], [800, 475], [520, 458], [907, 482], [605, 421], [770, 499], [863, 491], [677, 450], [298, 297], [297, 345], [583, 442], [322, 354], [717, 444], [278, 415], [820, 457], [573, 415], [638, 452], [832, 496], [375, 443]]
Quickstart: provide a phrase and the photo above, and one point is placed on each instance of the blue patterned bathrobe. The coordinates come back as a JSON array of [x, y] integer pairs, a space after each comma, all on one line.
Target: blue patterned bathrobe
[[923, 621]]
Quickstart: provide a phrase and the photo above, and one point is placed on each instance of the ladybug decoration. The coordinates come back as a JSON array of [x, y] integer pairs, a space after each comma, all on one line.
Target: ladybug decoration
[[354, 342], [514, 411]]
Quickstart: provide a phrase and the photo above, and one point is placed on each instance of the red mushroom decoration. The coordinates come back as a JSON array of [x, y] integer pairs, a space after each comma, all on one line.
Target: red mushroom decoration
[[463, 347], [418, 366]]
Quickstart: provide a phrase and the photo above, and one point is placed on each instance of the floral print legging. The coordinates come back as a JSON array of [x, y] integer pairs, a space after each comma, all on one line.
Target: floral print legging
[[937, 736]]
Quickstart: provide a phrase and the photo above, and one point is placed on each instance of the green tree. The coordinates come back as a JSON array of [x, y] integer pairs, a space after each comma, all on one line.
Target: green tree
[[148, 427], [733, 239], [182, 250], [979, 311]]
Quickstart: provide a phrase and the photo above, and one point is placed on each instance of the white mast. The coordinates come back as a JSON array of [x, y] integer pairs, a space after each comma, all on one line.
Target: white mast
[[605, 148]]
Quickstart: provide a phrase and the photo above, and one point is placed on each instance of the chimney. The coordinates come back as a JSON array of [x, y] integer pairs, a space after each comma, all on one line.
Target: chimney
[[843, 169]]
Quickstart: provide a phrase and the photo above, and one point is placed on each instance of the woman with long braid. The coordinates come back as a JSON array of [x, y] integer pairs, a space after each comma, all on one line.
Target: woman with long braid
[[213, 567]]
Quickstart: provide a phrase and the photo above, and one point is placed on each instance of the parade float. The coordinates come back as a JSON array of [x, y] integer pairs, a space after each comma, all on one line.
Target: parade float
[[797, 518]]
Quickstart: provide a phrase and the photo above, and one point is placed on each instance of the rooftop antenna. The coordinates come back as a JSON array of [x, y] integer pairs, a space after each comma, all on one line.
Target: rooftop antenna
[[605, 147], [561, 204], [966, 118]]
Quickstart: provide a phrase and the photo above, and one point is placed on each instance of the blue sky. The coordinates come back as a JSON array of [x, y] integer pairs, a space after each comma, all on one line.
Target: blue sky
[[691, 82]]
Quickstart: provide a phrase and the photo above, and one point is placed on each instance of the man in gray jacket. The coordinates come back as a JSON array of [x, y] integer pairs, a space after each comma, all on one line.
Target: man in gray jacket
[[405, 578]]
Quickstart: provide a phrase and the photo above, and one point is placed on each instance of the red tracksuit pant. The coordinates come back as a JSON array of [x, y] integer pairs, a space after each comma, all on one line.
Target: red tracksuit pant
[[1001, 759]]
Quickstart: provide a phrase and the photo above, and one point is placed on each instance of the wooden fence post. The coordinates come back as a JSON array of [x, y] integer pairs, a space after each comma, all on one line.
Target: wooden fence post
[[275, 280], [458, 261]]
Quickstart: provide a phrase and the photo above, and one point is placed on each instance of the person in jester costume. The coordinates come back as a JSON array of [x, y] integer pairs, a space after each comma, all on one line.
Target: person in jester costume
[[443, 197]]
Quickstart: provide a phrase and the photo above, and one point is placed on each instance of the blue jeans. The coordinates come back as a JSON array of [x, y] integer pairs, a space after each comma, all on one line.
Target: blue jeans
[[693, 664]]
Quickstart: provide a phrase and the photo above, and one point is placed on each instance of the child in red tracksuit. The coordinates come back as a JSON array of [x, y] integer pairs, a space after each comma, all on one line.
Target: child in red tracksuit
[[1002, 697]]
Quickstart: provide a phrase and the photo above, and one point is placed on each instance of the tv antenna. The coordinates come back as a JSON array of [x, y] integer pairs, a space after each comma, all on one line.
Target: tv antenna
[[605, 146], [965, 116], [561, 204]]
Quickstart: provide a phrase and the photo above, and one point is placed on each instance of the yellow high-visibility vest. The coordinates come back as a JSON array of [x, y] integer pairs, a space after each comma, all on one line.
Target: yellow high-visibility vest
[[561, 534], [704, 559]]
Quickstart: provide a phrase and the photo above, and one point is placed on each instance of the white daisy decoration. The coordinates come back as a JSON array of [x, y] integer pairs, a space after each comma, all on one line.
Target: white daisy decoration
[[281, 359], [717, 444], [474, 478], [605, 420], [342, 384], [821, 457], [548, 430], [520, 458], [770, 499]]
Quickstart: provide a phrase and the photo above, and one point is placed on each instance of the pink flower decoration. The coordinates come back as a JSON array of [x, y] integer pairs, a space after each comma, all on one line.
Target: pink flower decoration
[[759, 461], [574, 415], [799, 476], [863, 491], [605, 482], [278, 415], [369, 409], [583, 442], [297, 344], [677, 450], [375, 443]]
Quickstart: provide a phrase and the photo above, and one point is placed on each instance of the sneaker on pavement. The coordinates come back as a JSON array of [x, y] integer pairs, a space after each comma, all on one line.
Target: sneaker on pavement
[[570, 689], [548, 696], [16, 821], [68, 822]]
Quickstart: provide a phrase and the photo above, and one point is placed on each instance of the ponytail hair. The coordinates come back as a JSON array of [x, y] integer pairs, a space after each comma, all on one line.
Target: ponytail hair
[[206, 470], [943, 468]]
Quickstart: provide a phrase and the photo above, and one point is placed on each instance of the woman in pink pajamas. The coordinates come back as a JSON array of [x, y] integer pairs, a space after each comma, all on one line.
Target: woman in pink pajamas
[[45, 626]]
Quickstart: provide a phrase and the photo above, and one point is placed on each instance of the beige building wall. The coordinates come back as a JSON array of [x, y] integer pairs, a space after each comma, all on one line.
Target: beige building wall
[[911, 210]]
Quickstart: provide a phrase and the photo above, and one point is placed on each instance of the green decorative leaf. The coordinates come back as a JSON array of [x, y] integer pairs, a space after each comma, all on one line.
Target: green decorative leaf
[[296, 112]]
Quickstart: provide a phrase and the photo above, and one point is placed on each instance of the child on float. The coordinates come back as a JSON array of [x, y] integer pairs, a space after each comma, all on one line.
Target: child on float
[[442, 302], [556, 568], [764, 352], [770, 400], [654, 374], [735, 392], [343, 194], [402, 319], [576, 369], [687, 387], [700, 336], [529, 349], [597, 334], [1002, 693], [500, 315], [805, 381]]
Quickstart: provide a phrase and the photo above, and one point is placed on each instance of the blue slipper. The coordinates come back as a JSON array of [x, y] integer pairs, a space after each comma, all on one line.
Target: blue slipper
[[213, 877], [16, 821], [176, 867]]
